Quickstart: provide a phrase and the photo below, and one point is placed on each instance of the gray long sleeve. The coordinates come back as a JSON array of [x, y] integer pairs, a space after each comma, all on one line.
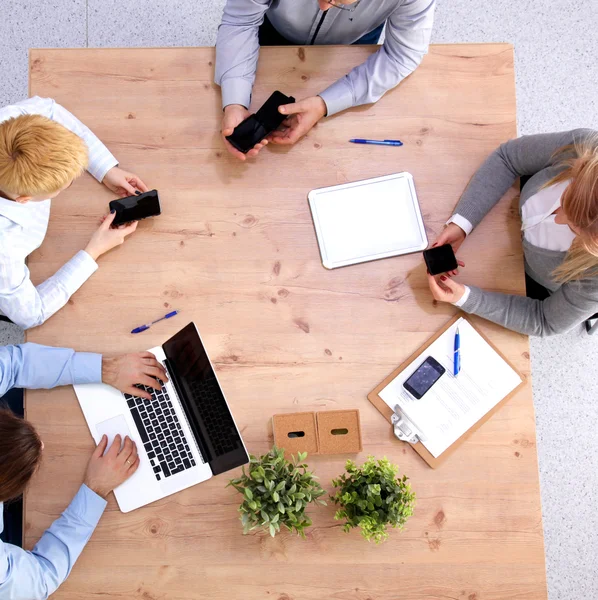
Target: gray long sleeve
[[524, 156], [569, 304]]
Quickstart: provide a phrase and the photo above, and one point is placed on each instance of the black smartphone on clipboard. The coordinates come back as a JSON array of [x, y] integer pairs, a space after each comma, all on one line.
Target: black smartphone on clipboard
[[424, 377], [135, 208]]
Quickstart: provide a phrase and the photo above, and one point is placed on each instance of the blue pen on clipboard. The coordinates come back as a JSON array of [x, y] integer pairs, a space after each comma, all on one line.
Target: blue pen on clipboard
[[148, 325], [377, 142], [457, 354]]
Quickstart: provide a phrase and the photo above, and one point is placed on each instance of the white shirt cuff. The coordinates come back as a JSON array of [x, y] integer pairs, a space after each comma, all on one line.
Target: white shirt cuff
[[463, 298], [337, 97], [462, 222]]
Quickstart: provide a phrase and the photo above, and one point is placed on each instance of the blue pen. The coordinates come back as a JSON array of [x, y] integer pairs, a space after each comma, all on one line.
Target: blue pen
[[457, 354], [148, 325], [377, 142]]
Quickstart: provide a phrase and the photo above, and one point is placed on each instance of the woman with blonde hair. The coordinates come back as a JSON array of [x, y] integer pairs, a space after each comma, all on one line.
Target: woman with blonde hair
[[559, 214]]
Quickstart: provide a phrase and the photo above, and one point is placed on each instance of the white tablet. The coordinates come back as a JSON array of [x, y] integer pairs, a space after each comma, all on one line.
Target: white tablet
[[367, 220]]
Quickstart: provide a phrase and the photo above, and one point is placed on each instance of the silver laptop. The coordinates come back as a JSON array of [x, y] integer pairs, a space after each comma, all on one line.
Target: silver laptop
[[184, 435]]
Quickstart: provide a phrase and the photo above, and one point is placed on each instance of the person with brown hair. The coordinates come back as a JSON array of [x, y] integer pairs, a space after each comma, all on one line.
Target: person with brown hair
[[559, 212], [37, 574], [43, 149]]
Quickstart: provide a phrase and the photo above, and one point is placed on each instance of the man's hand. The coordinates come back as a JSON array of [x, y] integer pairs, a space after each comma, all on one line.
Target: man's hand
[[123, 183], [107, 471], [302, 116], [105, 238], [444, 289], [232, 116], [123, 372]]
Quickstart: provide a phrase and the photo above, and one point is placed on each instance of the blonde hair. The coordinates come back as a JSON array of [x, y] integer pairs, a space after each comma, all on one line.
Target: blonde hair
[[38, 156], [580, 203]]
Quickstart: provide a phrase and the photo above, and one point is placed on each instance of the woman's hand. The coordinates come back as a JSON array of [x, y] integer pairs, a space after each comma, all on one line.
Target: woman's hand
[[124, 372], [123, 183], [107, 471], [444, 289], [233, 115], [452, 234], [106, 238]]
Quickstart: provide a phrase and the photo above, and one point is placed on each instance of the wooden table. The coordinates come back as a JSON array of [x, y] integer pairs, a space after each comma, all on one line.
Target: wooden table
[[235, 250]]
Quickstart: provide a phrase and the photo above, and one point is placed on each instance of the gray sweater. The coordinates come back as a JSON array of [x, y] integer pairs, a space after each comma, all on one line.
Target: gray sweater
[[569, 304]]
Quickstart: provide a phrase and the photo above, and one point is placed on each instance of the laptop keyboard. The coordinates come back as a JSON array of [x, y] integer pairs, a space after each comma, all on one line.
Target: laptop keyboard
[[215, 414], [161, 432]]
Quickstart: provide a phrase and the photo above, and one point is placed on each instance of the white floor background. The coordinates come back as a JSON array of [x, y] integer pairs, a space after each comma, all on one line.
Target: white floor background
[[557, 75]]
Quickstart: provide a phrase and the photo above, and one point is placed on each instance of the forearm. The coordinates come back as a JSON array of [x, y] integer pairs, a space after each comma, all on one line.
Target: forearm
[[32, 366], [519, 157], [408, 33], [29, 306], [237, 49], [37, 574], [557, 314]]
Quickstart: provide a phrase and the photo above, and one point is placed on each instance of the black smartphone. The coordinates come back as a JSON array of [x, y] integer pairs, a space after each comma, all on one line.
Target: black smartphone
[[135, 208], [441, 259], [424, 377], [256, 127]]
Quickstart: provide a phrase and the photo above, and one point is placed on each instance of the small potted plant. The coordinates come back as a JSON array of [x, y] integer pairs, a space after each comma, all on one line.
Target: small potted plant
[[276, 492], [372, 498]]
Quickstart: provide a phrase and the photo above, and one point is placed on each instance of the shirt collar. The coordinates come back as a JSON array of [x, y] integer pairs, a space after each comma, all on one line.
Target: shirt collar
[[16, 212]]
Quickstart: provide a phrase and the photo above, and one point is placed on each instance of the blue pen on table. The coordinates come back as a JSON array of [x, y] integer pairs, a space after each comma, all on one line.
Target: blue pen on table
[[377, 142], [457, 354], [148, 325]]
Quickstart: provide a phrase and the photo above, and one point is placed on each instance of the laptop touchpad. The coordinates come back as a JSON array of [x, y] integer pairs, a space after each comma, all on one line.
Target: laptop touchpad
[[112, 427]]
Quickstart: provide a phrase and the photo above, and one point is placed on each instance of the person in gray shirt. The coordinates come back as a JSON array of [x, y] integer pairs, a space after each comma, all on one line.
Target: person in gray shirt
[[248, 23], [559, 214]]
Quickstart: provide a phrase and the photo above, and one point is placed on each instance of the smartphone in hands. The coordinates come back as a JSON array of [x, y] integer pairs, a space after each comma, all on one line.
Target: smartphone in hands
[[440, 259], [135, 208]]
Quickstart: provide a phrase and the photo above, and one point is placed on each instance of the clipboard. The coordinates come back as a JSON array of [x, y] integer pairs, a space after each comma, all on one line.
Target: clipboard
[[400, 421]]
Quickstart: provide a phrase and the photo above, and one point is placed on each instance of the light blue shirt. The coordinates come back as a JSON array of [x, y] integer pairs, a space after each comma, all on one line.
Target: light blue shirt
[[37, 574]]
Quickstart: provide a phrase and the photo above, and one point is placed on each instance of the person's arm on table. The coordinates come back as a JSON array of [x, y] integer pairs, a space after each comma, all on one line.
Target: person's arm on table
[[103, 166], [237, 51], [408, 32], [32, 366], [29, 306], [37, 574], [519, 157], [566, 308]]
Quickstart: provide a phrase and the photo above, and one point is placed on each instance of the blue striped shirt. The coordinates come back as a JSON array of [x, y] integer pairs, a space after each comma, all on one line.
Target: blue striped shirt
[[23, 228]]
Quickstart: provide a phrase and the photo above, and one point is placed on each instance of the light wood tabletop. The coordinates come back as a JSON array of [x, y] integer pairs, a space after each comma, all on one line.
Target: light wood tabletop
[[235, 251]]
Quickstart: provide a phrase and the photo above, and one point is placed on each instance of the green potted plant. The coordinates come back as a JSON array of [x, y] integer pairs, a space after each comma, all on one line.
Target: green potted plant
[[276, 492], [372, 497]]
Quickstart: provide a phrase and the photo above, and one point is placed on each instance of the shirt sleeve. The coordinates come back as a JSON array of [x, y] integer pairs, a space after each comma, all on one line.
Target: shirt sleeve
[[462, 222], [29, 306], [32, 366], [408, 32], [463, 298], [570, 305], [237, 49], [36, 574], [100, 158], [522, 156]]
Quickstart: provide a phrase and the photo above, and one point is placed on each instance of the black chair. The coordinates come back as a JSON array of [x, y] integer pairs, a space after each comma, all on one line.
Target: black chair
[[538, 292]]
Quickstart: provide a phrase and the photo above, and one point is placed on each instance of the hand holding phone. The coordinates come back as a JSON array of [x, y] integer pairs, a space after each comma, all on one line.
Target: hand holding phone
[[256, 127], [135, 208], [440, 259]]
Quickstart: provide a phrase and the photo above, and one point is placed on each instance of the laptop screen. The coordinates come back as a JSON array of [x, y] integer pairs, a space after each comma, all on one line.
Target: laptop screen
[[203, 400]]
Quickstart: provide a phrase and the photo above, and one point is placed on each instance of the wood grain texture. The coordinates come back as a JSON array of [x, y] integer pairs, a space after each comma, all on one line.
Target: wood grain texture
[[235, 251]]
